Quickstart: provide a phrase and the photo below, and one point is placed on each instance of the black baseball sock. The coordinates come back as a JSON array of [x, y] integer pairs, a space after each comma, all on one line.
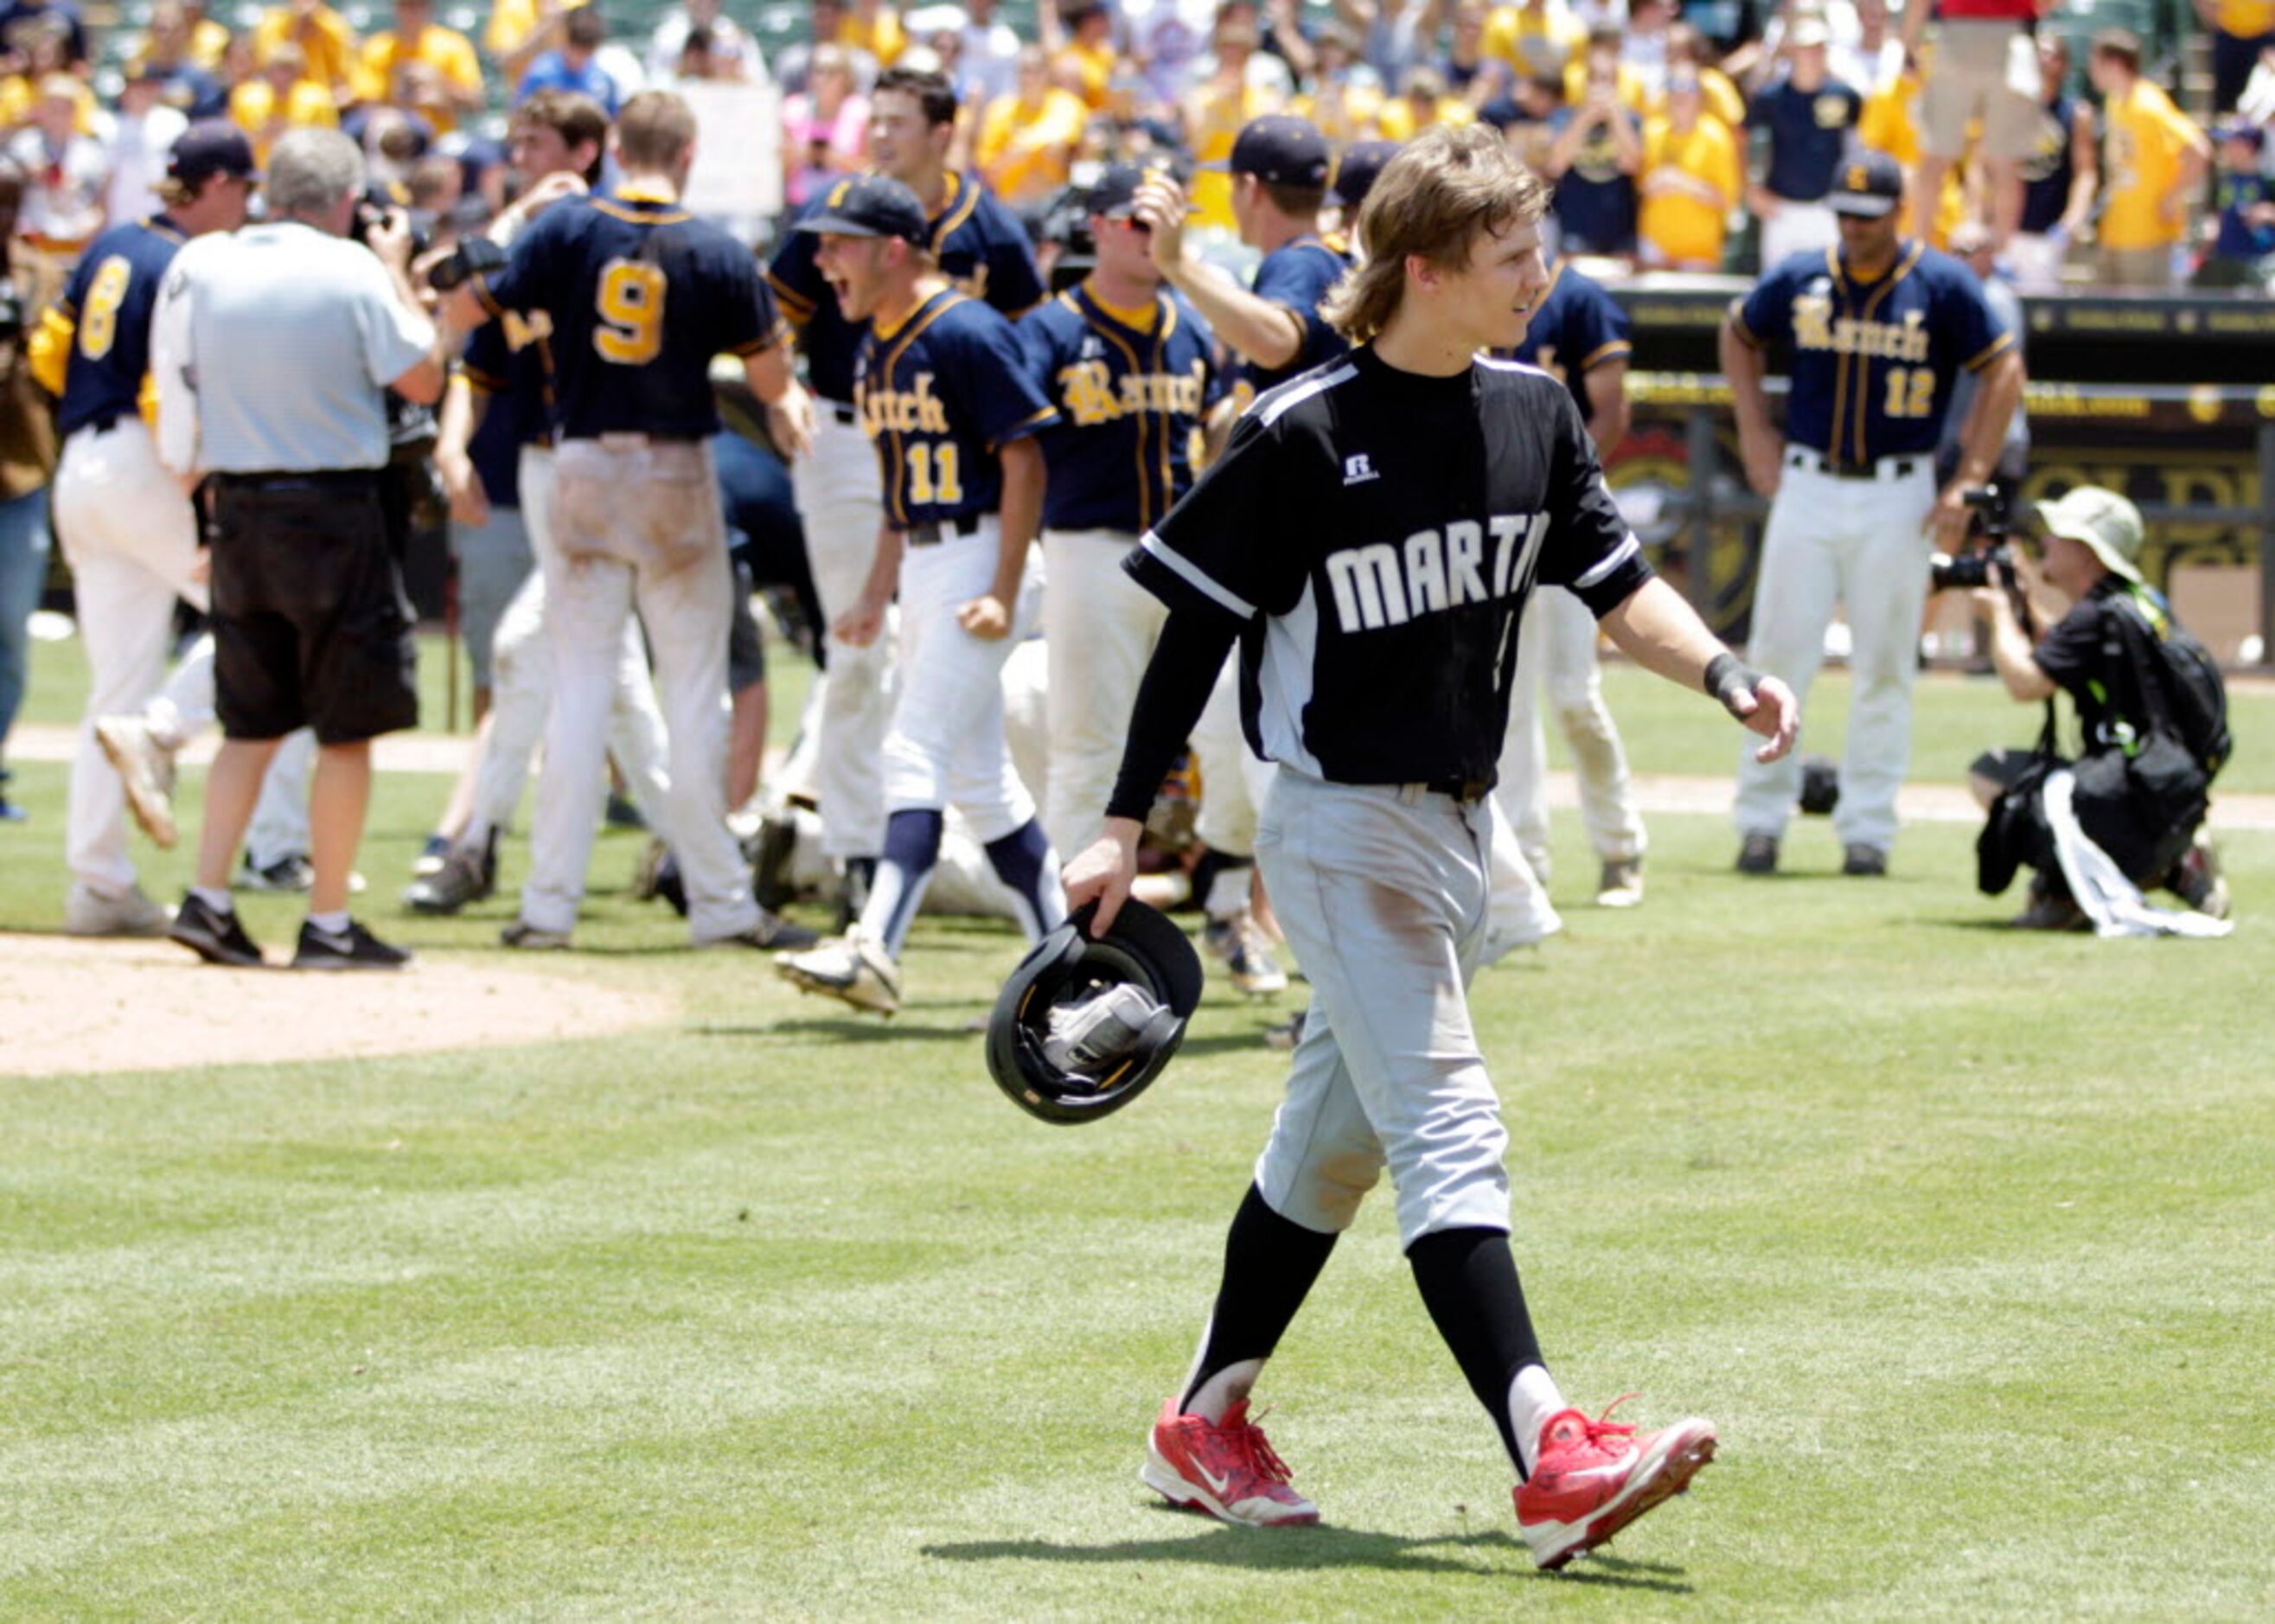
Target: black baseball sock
[[1022, 860], [1270, 1264], [1469, 1282]]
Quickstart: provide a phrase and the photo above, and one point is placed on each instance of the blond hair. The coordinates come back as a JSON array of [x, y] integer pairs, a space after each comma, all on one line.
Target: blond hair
[[1444, 190], [655, 128]]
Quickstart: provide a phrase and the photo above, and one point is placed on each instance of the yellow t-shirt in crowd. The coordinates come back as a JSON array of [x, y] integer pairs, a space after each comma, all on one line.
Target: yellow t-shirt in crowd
[[1023, 151], [450, 53], [2245, 20], [512, 21], [1221, 116], [252, 109], [1681, 226], [1537, 44], [1352, 113], [330, 43], [1399, 122], [885, 40], [1722, 99], [2147, 135], [1094, 66], [18, 92]]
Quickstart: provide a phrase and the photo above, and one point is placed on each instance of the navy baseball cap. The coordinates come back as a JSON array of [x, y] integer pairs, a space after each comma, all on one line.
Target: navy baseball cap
[[1363, 161], [870, 206], [1114, 193], [1278, 148], [211, 147], [1868, 186]]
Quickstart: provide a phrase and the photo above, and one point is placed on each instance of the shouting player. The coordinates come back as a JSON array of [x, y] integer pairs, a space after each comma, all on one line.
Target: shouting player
[[1369, 539], [943, 389], [640, 295], [1877, 329], [980, 246], [1129, 365]]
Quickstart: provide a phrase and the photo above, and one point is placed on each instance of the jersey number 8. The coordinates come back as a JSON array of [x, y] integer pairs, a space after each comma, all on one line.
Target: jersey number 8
[[630, 303], [98, 323]]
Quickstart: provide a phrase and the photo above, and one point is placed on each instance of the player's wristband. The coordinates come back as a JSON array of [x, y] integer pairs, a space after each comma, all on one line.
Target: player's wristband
[[1726, 676]]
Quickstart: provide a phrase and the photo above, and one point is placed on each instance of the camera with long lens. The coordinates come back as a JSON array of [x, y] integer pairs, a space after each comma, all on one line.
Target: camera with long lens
[[1989, 559]]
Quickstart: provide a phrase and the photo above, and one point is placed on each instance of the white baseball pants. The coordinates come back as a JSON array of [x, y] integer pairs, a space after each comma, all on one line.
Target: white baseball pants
[[1233, 780], [1383, 892], [522, 696], [838, 496], [637, 525], [1099, 627], [946, 745], [1864, 543], [1556, 647]]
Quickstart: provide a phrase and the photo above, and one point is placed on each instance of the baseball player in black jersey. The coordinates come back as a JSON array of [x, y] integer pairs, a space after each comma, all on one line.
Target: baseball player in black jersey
[[1369, 541]]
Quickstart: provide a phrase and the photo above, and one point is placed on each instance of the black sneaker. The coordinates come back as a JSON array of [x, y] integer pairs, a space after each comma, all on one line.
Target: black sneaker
[[286, 873], [770, 851], [1758, 855], [215, 935], [1864, 861], [353, 949]]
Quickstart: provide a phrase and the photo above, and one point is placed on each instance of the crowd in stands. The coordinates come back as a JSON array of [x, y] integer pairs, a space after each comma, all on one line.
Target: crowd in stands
[[1696, 139]]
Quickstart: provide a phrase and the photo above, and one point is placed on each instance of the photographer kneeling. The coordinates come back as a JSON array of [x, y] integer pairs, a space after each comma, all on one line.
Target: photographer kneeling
[[2125, 815]]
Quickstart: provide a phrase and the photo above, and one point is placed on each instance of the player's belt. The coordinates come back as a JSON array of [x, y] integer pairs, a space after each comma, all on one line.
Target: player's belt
[[933, 535], [102, 423], [843, 413], [1889, 468], [1468, 791], [302, 479]]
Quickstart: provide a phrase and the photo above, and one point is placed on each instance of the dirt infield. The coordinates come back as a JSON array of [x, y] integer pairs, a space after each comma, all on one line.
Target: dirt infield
[[70, 1007]]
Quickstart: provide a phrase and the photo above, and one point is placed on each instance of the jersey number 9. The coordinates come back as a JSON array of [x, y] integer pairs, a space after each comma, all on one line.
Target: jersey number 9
[[98, 323], [630, 303]]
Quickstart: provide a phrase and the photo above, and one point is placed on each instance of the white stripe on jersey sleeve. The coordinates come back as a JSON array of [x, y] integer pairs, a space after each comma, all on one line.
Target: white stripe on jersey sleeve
[[1275, 404], [1626, 550], [1191, 573]]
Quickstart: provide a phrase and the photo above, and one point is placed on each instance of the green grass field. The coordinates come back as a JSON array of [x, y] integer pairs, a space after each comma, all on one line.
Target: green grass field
[[1965, 1240]]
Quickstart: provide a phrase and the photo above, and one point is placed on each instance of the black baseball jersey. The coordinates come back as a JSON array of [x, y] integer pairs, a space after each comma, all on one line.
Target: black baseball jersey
[[939, 395], [1296, 276], [109, 300], [980, 244], [1130, 401], [640, 295], [1376, 532], [1872, 361], [1575, 327]]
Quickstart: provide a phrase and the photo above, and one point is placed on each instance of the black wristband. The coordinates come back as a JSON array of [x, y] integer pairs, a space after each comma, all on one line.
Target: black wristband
[[1725, 676]]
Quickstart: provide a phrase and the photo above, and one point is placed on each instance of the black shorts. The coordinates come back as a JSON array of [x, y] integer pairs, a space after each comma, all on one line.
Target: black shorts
[[310, 627]]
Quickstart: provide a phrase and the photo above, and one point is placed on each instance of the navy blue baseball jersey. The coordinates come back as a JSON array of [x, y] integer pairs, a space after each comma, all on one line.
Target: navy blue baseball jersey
[[1376, 534], [640, 295], [1871, 362], [2049, 170], [1297, 276], [1575, 328], [109, 300], [1130, 402], [1809, 135], [509, 364], [939, 395], [980, 244]]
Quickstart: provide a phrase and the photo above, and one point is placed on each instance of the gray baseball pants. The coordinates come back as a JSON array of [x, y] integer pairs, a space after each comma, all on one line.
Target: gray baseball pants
[[1382, 893]]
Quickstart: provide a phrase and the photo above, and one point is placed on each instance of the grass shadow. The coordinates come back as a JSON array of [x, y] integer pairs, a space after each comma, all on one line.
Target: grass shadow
[[1323, 1548]]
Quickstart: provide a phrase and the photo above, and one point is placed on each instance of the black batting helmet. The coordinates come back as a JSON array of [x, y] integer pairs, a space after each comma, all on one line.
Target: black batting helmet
[[1086, 1022]]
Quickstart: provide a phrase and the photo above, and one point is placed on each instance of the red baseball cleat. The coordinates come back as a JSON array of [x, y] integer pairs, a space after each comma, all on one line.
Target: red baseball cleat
[[1594, 1477], [1228, 1471]]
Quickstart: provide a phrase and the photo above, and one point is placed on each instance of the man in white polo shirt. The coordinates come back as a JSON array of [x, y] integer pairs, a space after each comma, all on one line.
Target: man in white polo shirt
[[274, 347]]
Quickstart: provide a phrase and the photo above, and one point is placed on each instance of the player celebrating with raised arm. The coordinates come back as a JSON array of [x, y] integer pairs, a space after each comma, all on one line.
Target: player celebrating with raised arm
[[942, 385], [1376, 620], [640, 295], [1877, 329], [1128, 364]]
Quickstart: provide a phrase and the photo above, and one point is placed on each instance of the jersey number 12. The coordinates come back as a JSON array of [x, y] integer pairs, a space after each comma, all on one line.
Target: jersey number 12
[[1911, 391], [630, 303]]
